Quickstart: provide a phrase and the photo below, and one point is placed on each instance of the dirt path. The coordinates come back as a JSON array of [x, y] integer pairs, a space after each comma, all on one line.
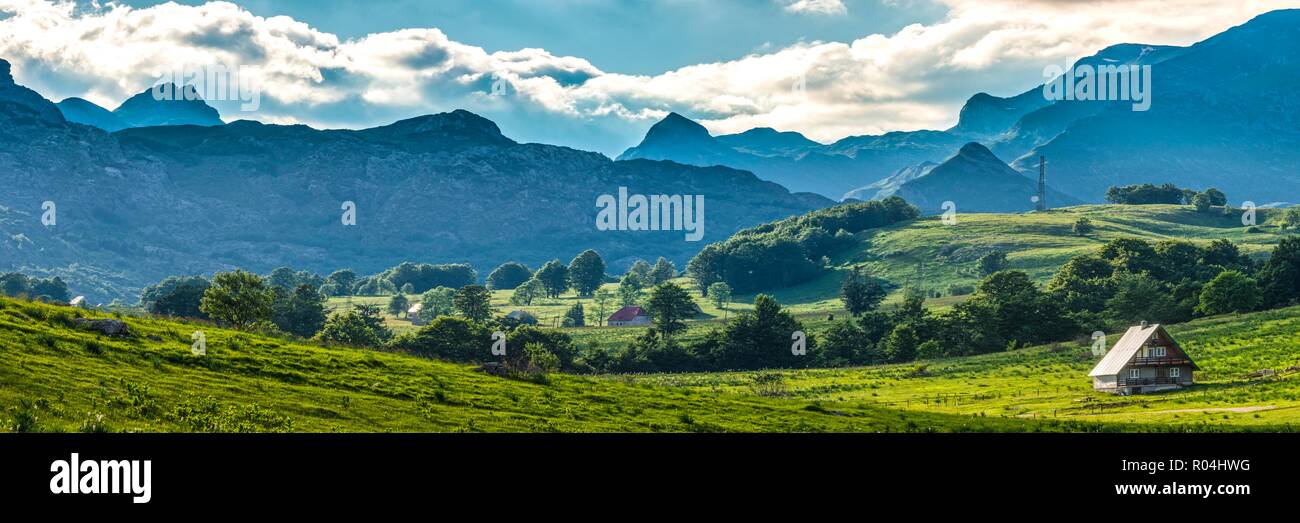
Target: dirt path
[[1236, 410]]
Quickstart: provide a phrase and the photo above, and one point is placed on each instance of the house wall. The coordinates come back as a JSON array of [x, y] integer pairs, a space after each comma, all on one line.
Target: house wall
[[1105, 382]]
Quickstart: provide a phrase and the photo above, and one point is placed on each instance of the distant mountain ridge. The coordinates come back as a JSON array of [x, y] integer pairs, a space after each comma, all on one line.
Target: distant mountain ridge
[[1224, 114], [975, 180], [165, 104], [145, 202], [791, 159]]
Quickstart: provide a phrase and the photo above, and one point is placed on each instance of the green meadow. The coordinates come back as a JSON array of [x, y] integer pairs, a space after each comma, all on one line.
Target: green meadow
[[1052, 382]]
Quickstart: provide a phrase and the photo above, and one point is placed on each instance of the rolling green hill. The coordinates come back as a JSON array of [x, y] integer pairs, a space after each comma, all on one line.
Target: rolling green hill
[[928, 254], [54, 377]]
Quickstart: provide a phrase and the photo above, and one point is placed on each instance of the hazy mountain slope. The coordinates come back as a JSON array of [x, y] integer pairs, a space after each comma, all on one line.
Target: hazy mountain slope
[[1225, 113], [143, 203], [985, 116], [167, 105], [888, 186], [87, 113], [976, 181], [792, 160], [1041, 125]]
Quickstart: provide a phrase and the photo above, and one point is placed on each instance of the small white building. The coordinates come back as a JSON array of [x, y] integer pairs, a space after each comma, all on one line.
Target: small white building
[[413, 314], [1146, 359], [79, 301]]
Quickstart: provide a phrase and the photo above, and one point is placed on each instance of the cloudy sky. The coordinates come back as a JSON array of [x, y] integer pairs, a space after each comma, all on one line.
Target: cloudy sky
[[594, 74]]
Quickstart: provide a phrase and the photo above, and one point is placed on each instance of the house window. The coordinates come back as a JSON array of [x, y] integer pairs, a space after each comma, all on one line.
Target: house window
[[1158, 352], [1134, 373], [1175, 372]]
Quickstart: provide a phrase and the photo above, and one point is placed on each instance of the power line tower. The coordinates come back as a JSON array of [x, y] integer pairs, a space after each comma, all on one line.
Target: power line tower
[[1041, 204]]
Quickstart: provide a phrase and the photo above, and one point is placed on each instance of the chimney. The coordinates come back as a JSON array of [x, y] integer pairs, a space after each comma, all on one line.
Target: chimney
[[1144, 324]]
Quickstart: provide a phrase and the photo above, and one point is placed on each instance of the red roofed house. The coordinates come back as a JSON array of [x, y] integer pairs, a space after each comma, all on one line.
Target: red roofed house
[[629, 316]]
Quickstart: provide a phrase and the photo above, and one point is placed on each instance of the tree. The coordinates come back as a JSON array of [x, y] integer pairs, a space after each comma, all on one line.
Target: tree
[[1230, 291], [237, 299], [575, 317], [555, 276], [841, 346], [345, 279], [760, 339], [1217, 198], [300, 312], [1291, 219], [901, 344], [663, 271], [669, 305], [283, 278], [641, 269], [705, 268], [528, 292], [603, 298], [508, 276], [15, 284], [360, 327], [720, 294], [408, 289], [1139, 297], [1202, 202], [177, 296], [859, 294], [435, 302], [474, 302], [586, 272], [1083, 226], [53, 288], [448, 338], [398, 304], [1279, 279], [992, 262], [629, 289]]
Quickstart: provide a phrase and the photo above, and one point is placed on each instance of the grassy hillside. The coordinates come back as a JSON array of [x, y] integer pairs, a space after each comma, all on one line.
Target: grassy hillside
[[929, 254], [1052, 382], [54, 377]]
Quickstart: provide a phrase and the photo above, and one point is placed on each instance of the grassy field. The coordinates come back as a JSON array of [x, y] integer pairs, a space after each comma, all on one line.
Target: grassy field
[[54, 377], [1052, 382]]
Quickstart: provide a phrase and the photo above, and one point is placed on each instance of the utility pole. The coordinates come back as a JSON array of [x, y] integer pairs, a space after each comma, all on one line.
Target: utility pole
[[1042, 184]]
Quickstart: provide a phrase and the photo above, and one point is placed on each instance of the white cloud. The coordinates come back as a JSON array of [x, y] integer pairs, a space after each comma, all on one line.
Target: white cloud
[[915, 78], [821, 7]]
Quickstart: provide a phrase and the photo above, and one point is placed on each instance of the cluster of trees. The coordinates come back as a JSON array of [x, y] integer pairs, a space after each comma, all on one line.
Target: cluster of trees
[[1142, 194], [794, 250], [19, 285], [241, 300], [584, 274], [1129, 281], [528, 349], [757, 339]]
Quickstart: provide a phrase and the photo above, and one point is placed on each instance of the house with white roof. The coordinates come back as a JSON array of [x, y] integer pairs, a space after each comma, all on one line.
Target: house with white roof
[[1146, 359]]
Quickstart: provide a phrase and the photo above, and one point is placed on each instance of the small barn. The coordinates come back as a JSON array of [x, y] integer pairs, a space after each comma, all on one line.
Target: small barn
[[631, 315], [413, 314], [1146, 359]]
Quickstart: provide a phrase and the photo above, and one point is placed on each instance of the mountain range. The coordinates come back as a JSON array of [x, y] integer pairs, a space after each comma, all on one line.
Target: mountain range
[[1223, 114], [171, 105], [133, 206]]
